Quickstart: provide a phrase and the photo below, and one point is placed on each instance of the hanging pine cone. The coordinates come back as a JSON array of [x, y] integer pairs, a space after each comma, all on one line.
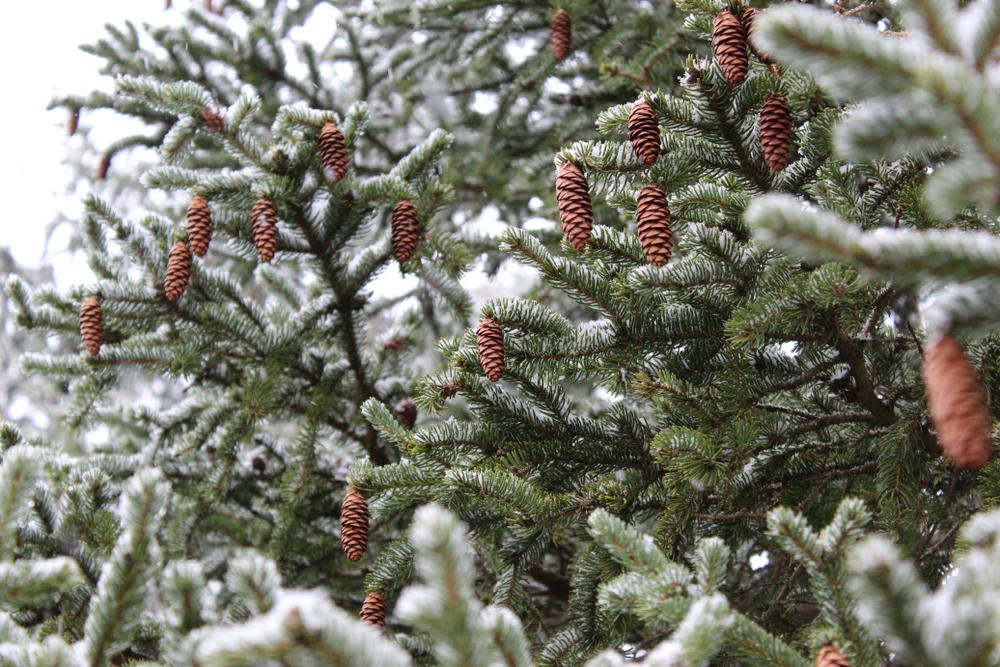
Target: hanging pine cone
[[776, 132], [354, 524], [405, 230], [373, 609], [576, 215], [749, 16], [104, 167], [265, 228], [652, 220], [333, 151], [73, 122], [729, 41], [213, 120], [178, 271], [406, 413], [644, 133], [489, 340], [829, 656], [562, 34], [199, 225], [957, 404], [91, 325]]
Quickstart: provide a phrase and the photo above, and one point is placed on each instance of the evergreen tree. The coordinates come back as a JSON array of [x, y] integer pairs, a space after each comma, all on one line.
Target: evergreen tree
[[702, 439]]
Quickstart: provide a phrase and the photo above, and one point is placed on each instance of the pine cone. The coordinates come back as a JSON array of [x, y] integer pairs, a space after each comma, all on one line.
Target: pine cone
[[562, 34], [957, 404], [373, 609], [829, 656], [652, 220], [178, 271], [354, 524], [333, 151], [644, 133], [576, 215], [489, 340], [448, 390], [73, 122], [405, 230], [729, 41], [91, 325], [749, 16], [406, 413], [776, 132], [213, 120], [199, 225], [265, 228], [104, 167]]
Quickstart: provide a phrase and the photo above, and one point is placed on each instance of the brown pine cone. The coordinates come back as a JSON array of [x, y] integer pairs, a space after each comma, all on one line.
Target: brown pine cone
[[829, 656], [644, 133], [73, 122], [652, 220], [199, 225], [178, 271], [91, 325], [213, 120], [104, 167], [489, 341], [333, 151], [729, 41], [406, 413], [448, 390], [405, 230], [265, 228], [576, 214], [749, 15], [776, 132], [354, 524], [562, 34], [373, 609], [957, 404]]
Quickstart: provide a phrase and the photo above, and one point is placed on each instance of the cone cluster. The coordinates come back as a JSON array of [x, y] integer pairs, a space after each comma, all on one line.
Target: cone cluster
[[373, 609], [333, 151], [957, 404], [178, 271], [406, 413], [354, 524], [644, 133], [776, 132], [576, 214], [829, 656], [729, 42], [652, 220], [748, 17], [405, 230], [265, 228], [213, 120], [489, 341], [199, 225], [91, 325], [562, 34]]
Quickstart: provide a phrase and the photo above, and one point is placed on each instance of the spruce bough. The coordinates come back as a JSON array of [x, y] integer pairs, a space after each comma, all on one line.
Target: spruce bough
[[702, 436]]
